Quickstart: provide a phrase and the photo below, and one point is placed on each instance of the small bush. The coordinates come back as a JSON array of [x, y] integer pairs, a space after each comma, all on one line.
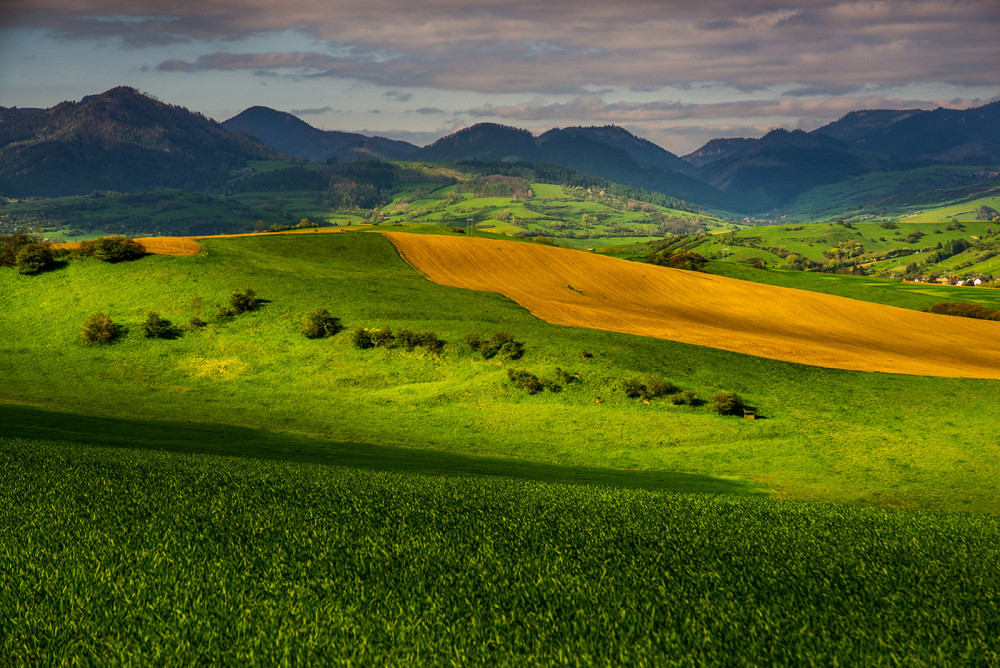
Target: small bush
[[34, 259], [156, 327], [195, 322], [500, 343], [408, 339], [319, 324], [98, 328], [726, 403], [474, 341], [586, 354], [529, 382], [656, 386], [361, 338], [634, 388], [243, 301], [431, 341], [382, 337], [685, 398]]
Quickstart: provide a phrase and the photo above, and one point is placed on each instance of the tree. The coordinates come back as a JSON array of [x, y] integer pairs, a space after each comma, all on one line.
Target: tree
[[260, 226]]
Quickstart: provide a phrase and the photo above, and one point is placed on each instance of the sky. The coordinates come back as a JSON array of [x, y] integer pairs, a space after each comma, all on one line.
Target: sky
[[676, 72]]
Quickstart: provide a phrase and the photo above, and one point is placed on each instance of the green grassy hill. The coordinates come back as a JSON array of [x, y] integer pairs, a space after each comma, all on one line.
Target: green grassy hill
[[242, 493], [898, 440]]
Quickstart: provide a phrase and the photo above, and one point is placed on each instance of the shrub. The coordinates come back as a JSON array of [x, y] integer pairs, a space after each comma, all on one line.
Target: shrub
[[634, 388], [501, 343], [34, 259], [474, 341], [156, 327], [656, 386], [525, 380], [685, 398], [431, 341], [243, 301], [382, 337], [361, 338], [408, 339], [195, 322], [98, 328], [726, 403], [11, 245], [112, 249], [319, 324]]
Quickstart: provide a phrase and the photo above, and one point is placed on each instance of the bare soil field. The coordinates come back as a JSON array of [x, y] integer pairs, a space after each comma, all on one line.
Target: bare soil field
[[579, 289]]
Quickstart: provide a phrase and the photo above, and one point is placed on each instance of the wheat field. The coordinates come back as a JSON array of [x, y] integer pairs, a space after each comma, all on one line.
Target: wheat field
[[579, 289]]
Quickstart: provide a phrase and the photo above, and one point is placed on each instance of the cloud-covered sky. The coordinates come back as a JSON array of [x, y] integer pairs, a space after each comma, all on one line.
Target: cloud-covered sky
[[673, 71]]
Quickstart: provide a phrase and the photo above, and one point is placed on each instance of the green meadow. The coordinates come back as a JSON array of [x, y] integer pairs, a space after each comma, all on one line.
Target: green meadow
[[243, 494], [826, 435]]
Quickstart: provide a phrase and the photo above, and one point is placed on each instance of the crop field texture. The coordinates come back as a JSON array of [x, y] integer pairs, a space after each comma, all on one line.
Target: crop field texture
[[138, 557], [582, 290]]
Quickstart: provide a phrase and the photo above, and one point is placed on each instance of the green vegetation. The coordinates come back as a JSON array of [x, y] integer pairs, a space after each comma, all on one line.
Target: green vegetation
[[319, 324], [139, 557], [308, 501], [942, 251], [897, 440]]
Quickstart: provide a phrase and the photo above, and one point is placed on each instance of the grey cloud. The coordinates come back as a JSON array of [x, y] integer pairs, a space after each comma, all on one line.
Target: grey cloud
[[311, 112], [566, 45], [398, 96], [427, 111]]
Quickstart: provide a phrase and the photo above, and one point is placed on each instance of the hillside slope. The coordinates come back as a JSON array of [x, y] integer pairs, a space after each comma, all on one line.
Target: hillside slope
[[583, 290], [119, 140]]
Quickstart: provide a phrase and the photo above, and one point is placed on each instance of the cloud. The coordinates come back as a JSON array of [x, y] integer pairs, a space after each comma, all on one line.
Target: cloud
[[397, 96], [593, 108], [312, 112], [522, 46]]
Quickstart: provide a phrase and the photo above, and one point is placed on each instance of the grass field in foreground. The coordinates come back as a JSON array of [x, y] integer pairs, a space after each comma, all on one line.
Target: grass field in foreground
[[875, 439], [132, 557]]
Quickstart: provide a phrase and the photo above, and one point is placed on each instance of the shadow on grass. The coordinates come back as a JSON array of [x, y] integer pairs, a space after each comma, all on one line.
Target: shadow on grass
[[184, 437]]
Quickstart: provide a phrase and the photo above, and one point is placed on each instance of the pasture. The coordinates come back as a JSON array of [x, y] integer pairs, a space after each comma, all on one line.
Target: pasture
[[827, 434]]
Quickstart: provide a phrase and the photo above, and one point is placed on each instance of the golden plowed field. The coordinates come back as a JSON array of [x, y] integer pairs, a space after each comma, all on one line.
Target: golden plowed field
[[575, 288]]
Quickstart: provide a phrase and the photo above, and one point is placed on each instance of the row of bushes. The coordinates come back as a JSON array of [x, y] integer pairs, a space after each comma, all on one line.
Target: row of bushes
[[373, 338], [99, 328], [655, 386], [532, 384], [964, 310], [31, 255]]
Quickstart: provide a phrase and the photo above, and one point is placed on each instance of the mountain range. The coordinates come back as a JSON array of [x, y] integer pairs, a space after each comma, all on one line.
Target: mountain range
[[124, 140]]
